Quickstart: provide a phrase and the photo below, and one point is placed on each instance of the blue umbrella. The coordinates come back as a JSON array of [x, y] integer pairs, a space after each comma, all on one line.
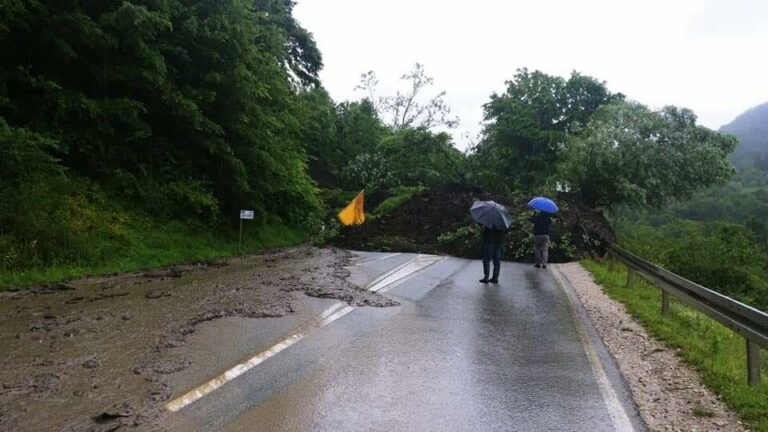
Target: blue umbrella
[[491, 214], [544, 204]]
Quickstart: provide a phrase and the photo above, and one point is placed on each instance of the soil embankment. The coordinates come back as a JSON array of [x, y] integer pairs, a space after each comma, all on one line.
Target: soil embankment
[[417, 226]]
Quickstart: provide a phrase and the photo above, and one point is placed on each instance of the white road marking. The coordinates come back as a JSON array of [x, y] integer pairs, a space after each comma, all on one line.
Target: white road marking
[[616, 411], [377, 258], [405, 273], [383, 283], [332, 314]]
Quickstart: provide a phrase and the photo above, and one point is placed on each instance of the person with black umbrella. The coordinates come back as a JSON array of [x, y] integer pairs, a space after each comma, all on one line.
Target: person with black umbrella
[[495, 220], [493, 243]]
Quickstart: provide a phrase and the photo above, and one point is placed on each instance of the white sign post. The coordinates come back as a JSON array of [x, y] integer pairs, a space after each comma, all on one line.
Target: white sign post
[[244, 214]]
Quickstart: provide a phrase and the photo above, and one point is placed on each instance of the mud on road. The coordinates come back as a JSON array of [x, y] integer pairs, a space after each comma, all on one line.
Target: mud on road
[[92, 354]]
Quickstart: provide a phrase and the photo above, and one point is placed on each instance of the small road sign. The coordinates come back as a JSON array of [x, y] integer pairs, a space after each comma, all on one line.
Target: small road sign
[[244, 214]]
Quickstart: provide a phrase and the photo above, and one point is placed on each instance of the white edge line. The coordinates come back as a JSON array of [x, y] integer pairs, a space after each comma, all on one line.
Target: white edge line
[[618, 414], [193, 395], [331, 314]]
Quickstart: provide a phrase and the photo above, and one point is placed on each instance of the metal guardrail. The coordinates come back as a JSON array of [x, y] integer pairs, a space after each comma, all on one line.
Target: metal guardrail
[[748, 322]]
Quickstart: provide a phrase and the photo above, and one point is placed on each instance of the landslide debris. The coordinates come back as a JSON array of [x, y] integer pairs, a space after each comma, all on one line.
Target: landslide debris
[[96, 354], [438, 221]]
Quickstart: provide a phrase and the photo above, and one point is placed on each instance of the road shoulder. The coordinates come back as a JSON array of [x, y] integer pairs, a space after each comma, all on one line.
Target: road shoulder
[[668, 393]]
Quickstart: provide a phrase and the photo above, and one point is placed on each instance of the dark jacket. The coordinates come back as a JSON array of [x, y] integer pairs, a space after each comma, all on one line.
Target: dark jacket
[[493, 236], [541, 224]]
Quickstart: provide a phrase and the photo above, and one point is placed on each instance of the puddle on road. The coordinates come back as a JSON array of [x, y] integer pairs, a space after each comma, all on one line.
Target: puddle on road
[[94, 354]]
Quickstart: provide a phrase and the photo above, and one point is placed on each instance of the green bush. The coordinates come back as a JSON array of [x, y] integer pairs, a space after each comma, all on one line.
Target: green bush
[[45, 217], [463, 242], [400, 196], [723, 256]]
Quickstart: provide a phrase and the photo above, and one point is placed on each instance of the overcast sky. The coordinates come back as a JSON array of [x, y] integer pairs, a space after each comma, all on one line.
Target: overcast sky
[[707, 55]]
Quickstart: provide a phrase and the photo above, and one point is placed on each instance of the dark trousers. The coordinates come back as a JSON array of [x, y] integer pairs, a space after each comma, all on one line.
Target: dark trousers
[[541, 249], [491, 251]]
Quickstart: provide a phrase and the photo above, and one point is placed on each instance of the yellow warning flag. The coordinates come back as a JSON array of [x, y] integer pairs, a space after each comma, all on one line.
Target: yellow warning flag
[[353, 213]]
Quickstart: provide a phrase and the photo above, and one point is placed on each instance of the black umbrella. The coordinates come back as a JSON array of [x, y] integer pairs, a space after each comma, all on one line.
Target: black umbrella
[[491, 214]]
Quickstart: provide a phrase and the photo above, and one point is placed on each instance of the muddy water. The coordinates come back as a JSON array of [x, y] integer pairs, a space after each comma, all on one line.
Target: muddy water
[[93, 354]]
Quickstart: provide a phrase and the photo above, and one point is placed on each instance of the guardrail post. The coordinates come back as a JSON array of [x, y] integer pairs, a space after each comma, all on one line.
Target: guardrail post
[[664, 302], [630, 277], [611, 262], [753, 363]]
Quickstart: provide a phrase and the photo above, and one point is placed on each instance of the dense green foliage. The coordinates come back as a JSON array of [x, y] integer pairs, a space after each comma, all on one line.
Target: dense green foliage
[[150, 244], [117, 112], [528, 125], [185, 110], [546, 133], [715, 351], [723, 256], [185, 107], [718, 238], [628, 154], [420, 157]]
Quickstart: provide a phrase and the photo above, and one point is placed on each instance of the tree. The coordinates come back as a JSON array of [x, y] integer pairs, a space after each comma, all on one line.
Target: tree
[[296, 45], [369, 171], [438, 163], [359, 129], [185, 108], [406, 110], [319, 132], [628, 154], [527, 125]]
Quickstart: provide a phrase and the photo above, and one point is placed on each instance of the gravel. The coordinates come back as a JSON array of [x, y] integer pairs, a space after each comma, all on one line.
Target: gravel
[[668, 392]]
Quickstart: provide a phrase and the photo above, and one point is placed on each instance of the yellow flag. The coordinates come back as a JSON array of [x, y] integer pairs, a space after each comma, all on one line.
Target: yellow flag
[[353, 213]]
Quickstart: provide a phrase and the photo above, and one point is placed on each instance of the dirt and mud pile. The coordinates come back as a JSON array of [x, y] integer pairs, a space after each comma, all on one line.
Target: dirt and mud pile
[[95, 354], [439, 222]]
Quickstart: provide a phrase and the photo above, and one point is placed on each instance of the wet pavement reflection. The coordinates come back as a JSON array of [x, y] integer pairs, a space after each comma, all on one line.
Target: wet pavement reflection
[[455, 355]]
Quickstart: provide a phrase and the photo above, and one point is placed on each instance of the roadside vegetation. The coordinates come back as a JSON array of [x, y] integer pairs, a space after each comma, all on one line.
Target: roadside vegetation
[[400, 196], [130, 121], [716, 352], [148, 244], [132, 133], [719, 238]]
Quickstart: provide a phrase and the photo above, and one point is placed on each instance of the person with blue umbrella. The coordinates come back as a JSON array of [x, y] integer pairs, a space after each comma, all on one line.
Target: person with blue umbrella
[[495, 220], [542, 221]]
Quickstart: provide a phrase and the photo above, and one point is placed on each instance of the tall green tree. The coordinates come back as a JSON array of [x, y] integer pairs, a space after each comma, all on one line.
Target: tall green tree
[[359, 127], [527, 125], [418, 157], [186, 107], [628, 154]]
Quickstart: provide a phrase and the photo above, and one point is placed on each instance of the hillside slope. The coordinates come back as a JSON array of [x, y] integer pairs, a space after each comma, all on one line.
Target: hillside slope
[[751, 128]]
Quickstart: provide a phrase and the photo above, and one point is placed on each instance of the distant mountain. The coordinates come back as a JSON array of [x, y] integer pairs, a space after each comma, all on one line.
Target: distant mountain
[[751, 128]]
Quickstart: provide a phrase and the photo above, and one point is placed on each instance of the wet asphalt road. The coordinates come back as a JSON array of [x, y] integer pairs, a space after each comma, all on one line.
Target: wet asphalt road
[[457, 355]]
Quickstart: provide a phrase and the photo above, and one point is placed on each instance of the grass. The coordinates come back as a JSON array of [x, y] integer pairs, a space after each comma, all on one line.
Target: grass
[[163, 245], [400, 195], [718, 354]]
